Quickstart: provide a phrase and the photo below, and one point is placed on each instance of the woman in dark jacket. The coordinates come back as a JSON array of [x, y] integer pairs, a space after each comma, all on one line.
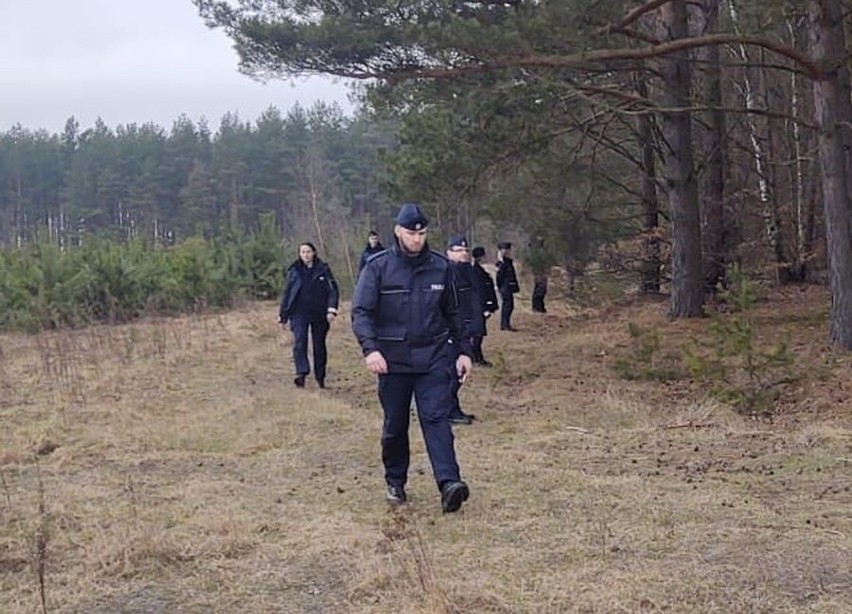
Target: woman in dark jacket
[[309, 302]]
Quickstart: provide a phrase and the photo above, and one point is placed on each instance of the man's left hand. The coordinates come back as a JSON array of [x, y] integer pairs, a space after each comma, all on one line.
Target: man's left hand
[[463, 367]]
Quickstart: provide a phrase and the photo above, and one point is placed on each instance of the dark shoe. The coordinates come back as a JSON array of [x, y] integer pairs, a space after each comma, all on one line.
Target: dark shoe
[[321, 383], [453, 494], [462, 418], [299, 381], [396, 495]]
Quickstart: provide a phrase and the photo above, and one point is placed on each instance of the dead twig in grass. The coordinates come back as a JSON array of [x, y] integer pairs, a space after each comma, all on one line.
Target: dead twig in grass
[[690, 425], [5, 488], [40, 540], [577, 429], [792, 527]]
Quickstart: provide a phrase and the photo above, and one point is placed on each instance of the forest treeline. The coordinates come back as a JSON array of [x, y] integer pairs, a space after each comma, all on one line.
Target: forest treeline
[[306, 167], [107, 224]]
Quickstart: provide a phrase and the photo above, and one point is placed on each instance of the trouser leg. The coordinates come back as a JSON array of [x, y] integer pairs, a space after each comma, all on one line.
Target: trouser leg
[[506, 309], [476, 344], [432, 391], [299, 327], [455, 385], [395, 390], [319, 332]]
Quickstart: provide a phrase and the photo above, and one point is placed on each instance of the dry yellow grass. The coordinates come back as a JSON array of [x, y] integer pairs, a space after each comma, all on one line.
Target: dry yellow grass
[[170, 466]]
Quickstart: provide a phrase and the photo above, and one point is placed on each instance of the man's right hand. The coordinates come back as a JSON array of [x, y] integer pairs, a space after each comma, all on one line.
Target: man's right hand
[[376, 363]]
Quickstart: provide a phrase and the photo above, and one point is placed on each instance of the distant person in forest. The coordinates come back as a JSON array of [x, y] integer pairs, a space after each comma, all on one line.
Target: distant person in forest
[[539, 292], [507, 283], [405, 312], [488, 303], [374, 246], [467, 288], [309, 305]]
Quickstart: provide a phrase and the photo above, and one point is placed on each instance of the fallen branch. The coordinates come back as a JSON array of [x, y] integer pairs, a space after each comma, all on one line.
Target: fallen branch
[[578, 429], [689, 425]]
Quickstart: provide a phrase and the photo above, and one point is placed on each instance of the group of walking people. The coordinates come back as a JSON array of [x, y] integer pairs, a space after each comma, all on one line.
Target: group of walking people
[[420, 318]]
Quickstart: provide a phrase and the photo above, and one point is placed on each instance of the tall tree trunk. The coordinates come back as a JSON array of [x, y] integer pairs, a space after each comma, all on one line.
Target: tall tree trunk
[[712, 138], [833, 114], [651, 264], [804, 206], [687, 299], [757, 101]]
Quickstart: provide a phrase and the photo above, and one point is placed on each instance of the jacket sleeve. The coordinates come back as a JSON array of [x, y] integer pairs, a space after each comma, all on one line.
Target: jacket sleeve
[[453, 315], [285, 298], [501, 274], [365, 306], [333, 292], [363, 261]]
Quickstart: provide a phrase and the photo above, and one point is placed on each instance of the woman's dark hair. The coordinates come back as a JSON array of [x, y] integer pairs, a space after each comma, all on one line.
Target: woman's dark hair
[[373, 233], [309, 244]]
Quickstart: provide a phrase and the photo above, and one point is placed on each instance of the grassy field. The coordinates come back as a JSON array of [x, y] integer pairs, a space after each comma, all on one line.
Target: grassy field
[[171, 466]]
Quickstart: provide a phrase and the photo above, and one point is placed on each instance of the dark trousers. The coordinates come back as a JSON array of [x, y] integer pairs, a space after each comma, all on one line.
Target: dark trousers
[[432, 392], [538, 303], [476, 346], [506, 308], [301, 325], [455, 384]]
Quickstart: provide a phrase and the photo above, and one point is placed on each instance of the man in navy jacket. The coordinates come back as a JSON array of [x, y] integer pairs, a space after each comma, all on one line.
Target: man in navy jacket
[[458, 253], [488, 298], [374, 246], [405, 311]]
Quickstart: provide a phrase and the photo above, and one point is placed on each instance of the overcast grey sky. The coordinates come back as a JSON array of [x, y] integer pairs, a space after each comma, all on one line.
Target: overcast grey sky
[[129, 61]]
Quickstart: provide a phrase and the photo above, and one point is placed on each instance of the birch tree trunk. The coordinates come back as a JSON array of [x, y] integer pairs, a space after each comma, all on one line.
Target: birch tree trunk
[[687, 298], [803, 206], [769, 206], [833, 113]]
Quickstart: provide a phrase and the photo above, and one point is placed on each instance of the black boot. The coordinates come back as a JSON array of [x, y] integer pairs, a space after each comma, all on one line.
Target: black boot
[[461, 418], [453, 494], [395, 495]]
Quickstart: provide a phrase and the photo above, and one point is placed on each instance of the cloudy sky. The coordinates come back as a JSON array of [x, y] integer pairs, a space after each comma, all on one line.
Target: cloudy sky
[[129, 61]]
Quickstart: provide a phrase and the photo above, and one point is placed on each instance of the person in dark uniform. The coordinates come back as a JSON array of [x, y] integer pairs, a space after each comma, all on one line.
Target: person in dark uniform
[[309, 304], [374, 246], [539, 292], [488, 298], [507, 283], [458, 253], [405, 311]]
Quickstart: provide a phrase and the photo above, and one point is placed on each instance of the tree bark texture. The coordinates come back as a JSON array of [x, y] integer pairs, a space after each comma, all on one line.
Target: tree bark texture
[[687, 297], [833, 113]]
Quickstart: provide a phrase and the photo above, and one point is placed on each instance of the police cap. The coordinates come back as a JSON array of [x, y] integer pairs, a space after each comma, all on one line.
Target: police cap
[[412, 217]]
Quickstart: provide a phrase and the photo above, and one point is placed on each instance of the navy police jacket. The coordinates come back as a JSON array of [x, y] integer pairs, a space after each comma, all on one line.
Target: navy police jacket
[[470, 302], [320, 295], [507, 279], [486, 288], [407, 308], [369, 251]]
